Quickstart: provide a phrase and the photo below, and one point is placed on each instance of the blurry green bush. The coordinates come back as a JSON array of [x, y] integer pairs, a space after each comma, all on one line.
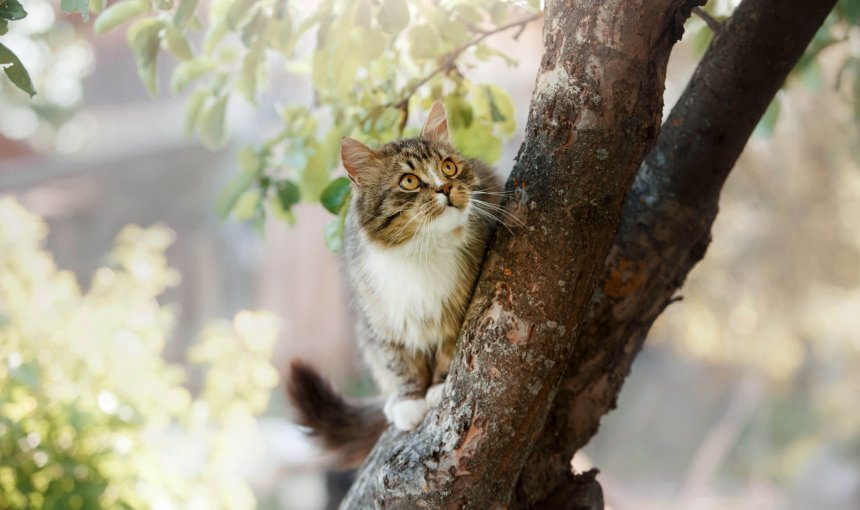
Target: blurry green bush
[[90, 412]]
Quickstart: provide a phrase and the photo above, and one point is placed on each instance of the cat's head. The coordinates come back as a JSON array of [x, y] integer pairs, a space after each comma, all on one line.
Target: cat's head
[[413, 186]]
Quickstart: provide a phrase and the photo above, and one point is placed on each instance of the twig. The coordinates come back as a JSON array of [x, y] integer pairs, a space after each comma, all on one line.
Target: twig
[[709, 20], [451, 58]]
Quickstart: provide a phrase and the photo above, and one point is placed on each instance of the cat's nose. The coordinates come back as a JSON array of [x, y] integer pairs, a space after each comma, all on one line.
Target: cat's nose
[[445, 188]]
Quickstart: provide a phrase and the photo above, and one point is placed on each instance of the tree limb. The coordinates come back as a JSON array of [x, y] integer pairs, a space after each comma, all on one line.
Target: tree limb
[[449, 62], [595, 112], [709, 20], [667, 218]]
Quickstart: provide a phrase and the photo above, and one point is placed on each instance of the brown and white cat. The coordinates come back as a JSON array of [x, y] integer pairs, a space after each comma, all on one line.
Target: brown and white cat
[[414, 239]]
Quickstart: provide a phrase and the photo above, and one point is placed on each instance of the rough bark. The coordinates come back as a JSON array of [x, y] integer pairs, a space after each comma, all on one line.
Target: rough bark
[[594, 114], [666, 220]]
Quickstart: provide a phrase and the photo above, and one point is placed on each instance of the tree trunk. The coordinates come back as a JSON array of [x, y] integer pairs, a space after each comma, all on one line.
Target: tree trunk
[[595, 112], [666, 220]]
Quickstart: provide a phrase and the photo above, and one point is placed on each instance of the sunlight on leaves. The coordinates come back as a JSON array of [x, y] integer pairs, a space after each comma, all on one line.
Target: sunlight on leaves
[[91, 415]]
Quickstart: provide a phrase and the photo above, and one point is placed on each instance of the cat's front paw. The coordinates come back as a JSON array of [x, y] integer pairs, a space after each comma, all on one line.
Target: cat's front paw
[[405, 413], [434, 394]]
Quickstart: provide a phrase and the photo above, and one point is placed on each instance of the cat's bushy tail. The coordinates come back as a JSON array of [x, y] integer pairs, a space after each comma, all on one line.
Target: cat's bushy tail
[[346, 427]]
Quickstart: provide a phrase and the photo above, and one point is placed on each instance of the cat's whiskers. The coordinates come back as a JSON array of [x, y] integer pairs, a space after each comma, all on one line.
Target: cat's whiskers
[[423, 214], [494, 219], [499, 184], [490, 207], [396, 236], [495, 193]]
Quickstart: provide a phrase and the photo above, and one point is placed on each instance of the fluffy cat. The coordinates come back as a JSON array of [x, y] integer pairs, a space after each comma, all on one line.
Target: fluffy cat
[[414, 239]]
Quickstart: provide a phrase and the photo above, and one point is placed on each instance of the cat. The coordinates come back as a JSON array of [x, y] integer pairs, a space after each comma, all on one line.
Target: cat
[[414, 239]]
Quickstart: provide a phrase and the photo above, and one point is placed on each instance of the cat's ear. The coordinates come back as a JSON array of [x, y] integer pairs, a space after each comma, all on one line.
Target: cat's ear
[[436, 126], [358, 159]]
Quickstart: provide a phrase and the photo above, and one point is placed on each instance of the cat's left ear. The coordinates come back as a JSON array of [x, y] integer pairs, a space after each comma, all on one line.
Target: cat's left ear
[[436, 126], [358, 159]]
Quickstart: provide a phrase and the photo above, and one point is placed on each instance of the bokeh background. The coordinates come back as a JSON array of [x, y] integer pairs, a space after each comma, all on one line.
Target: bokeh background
[[129, 361]]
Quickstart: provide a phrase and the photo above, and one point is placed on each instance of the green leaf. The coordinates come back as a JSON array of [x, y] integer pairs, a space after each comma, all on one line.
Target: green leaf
[[247, 80], [498, 12], [232, 191], [366, 45], [469, 13], [144, 37], [15, 70], [322, 158], [484, 52], [334, 233], [249, 160], [284, 215], [360, 14], [177, 43], [767, 123], [212, 131], [238, 12], [97, 6], [192, 109], [423, 42], [12, 10], [850, 10], [393, 16], [118, 14], [336, 195], [460, 112], [73, 6], [4, 26], [288, 194], [214, 34], [184, 13], [247, 204], [501, 108], [188, 71], [279, 33], [477, 141], [255, 28]]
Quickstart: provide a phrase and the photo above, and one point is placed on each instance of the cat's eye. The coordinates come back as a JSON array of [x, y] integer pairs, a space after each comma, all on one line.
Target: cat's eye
[[410, 182], [449, 168]]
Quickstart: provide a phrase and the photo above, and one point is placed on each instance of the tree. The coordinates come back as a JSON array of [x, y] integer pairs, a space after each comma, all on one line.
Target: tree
[[513, 417], [555, 323]]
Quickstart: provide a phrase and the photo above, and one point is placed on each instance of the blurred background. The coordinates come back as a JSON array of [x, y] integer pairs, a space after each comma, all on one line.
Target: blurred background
[[133, 375]]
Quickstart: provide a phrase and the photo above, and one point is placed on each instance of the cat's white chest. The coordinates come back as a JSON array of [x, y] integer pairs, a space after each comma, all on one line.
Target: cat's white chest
[[411, 286]]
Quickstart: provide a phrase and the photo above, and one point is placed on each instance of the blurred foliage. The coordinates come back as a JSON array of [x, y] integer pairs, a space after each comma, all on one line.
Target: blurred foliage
[[776, 298], [91, 415], [57, 59], [370, 63], [12, 10]]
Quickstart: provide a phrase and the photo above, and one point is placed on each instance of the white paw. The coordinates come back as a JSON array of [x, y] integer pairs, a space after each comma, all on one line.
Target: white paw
[[434, 394], [405, 414]]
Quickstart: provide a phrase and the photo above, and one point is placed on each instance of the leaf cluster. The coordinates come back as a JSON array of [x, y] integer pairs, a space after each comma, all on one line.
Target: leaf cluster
[[12, 10], [369, 64], [90, 412]]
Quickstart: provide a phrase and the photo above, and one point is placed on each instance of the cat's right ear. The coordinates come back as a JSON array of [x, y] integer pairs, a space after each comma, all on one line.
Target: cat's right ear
[[358, 159], [436, 126]]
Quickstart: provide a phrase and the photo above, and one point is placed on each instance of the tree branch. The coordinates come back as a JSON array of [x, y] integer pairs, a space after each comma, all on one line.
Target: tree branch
[[594, 113], [450, 60], [709, 20], [667, 218]]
